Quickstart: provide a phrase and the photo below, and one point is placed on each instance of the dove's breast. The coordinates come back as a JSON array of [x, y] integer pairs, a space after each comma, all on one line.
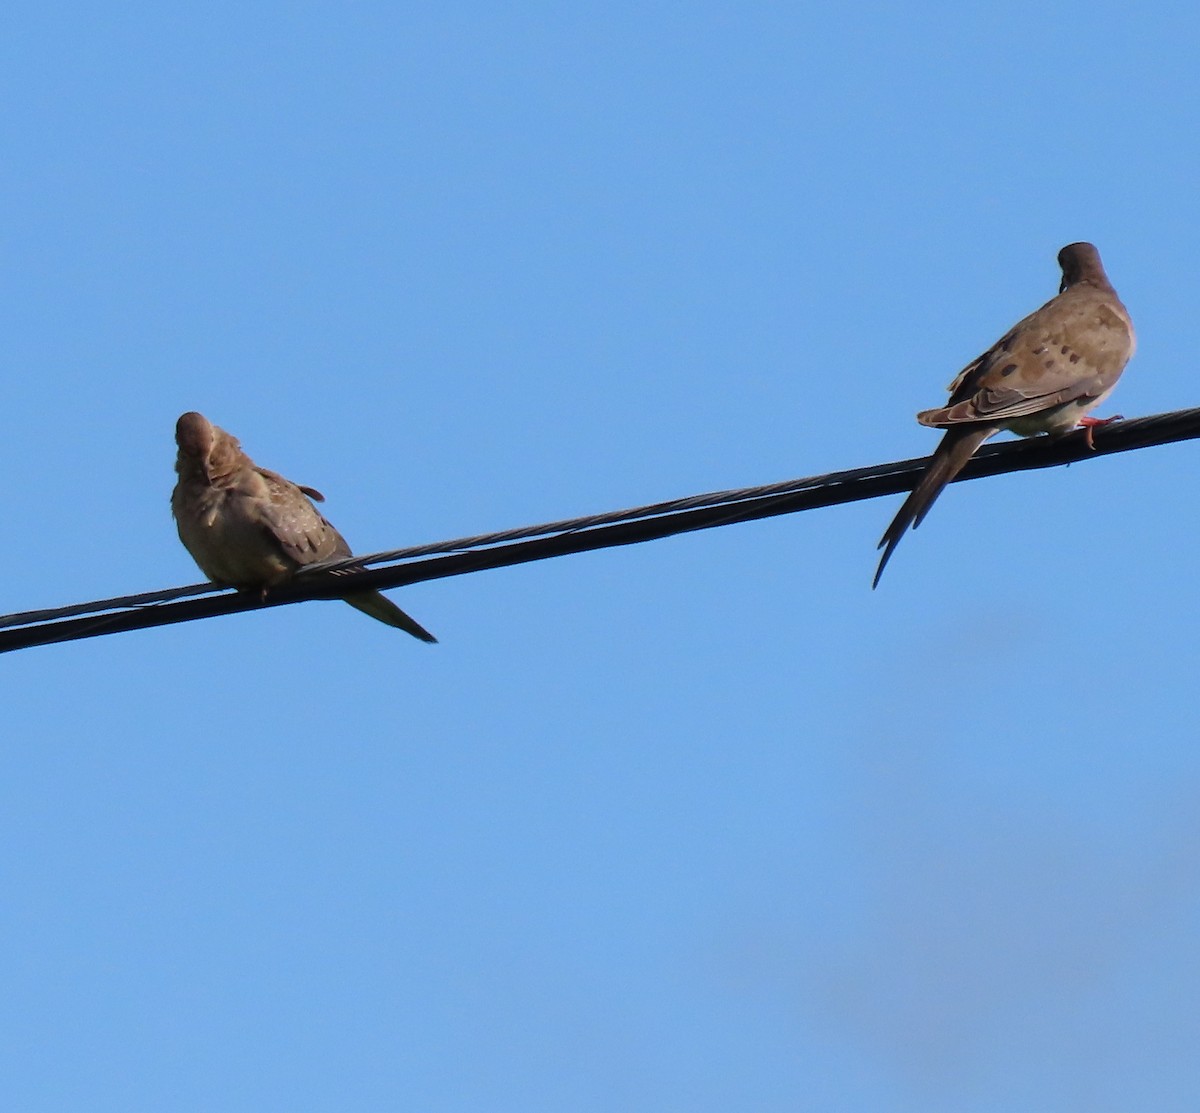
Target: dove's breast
[[228, 540]]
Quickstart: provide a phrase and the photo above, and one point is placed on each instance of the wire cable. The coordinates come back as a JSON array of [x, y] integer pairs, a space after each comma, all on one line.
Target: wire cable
[[465, 555]]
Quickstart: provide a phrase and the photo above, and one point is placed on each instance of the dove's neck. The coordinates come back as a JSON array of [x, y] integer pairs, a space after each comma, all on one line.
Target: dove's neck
[[224, 462]]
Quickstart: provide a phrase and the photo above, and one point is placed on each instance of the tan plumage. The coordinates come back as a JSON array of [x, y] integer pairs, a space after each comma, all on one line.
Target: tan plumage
[[1042, 376], [249, 528]]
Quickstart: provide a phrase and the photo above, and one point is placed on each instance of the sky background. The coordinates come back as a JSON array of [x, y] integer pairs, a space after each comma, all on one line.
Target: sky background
[[697, 825]]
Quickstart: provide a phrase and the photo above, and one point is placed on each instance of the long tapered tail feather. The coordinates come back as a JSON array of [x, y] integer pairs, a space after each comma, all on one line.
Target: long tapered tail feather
[[956, 448], [381, 607]]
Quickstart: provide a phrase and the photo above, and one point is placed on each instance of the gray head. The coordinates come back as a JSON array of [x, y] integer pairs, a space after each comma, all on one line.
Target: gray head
[[195, 435], [204, 448], [1080, 262]]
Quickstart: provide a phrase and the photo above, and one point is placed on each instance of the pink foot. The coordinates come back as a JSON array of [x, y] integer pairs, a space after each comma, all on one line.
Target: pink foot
[[1091, 423]]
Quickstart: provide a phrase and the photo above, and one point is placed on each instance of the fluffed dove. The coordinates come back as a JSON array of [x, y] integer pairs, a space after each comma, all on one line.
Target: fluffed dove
[[250, 528], [1042, 376]]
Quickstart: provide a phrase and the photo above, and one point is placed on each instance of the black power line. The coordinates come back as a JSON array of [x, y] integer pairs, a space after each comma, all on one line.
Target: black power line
[[576, 535]]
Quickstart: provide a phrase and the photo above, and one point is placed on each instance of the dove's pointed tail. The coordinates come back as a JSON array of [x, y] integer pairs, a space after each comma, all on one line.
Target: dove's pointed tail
[[381, 607], [951, 456]]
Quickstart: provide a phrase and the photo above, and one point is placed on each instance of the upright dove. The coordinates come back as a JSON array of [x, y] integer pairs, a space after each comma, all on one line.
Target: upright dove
[[1042, 376], [249, 528]]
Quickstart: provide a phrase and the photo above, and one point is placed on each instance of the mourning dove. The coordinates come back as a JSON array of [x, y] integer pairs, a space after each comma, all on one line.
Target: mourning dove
[[250, 528], [1043, 376]]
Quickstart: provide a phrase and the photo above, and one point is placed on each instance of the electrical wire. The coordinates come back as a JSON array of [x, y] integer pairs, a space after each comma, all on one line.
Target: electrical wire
[[465, 555]]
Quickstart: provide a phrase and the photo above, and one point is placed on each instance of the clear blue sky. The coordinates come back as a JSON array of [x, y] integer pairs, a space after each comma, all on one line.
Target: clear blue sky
[[700, 825]]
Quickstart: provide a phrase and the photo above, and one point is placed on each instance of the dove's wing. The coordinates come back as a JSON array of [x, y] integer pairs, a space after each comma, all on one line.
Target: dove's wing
[[1073, 349], [298, 527]]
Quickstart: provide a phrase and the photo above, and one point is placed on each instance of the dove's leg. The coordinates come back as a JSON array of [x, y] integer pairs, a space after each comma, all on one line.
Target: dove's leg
[[1091, 423]]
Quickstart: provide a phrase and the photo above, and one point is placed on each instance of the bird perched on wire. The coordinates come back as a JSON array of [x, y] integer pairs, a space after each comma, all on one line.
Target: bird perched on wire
[[249, 528], [1042, 376]]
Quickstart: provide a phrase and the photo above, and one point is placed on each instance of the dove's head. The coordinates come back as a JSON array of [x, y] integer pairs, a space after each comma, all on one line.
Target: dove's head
[[195, 434], [1080, 262], [204, 449]]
